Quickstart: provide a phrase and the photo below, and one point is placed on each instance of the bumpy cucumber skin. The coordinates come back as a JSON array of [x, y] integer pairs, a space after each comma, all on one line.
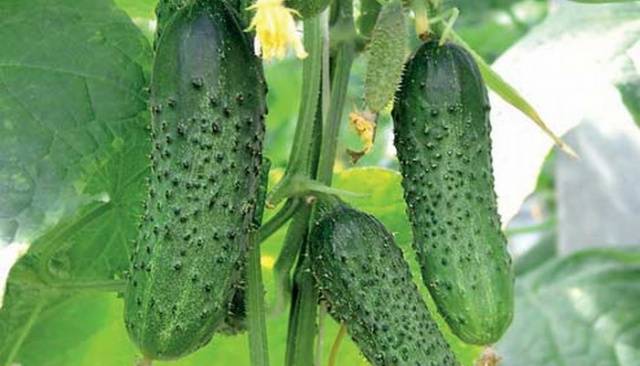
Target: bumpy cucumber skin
[[165, 9], [362, 274], [441, 123], [385, 57], [235, 322], [308, 8], [208, 106]]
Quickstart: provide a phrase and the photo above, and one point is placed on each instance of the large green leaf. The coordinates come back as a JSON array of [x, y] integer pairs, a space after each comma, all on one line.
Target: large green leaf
[[567, 67], [578, 310], [72, 162], [491, 26]]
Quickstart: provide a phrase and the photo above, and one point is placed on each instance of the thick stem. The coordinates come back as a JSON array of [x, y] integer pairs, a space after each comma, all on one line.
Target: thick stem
[[277, 221], [322, 314], [259, 352], [335, 348], [300, 158], [302, 324], [302, 316], [343, 62], [287, 258]]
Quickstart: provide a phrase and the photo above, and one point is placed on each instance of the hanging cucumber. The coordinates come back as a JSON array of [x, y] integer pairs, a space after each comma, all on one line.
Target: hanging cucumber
[[363, 276], [441, 120], [208, 105], [385, 57]]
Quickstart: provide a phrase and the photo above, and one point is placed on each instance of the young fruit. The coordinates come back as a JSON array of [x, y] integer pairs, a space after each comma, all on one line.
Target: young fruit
[[208, 105], [385, 57], [441, 120], [363, 276]]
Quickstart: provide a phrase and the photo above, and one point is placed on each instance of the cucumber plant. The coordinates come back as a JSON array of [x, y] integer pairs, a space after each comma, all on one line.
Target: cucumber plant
[[195, 270]]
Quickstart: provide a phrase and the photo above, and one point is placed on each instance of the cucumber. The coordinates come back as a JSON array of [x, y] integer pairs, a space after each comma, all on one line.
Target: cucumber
[[208, 106], [361, 273], [308, 8], [385, 57], [441, 124], [165, 9], [235, 322]]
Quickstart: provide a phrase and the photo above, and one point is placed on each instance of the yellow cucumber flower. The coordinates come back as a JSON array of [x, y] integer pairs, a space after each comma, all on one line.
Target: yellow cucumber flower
[[365, 126], [275, 29]]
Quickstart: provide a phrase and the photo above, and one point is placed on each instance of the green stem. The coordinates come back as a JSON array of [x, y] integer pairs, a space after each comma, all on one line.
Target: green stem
[[259, 352], [297, 235], [278, 220], [300, 158], [322, 312], [335, 348], [302, 321], [343, 62], [421, 21], [287, 258]]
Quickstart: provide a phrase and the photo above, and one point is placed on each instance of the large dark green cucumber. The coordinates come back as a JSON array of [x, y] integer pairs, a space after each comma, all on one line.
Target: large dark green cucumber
[[366, 281], [208, 105], [441, 120]]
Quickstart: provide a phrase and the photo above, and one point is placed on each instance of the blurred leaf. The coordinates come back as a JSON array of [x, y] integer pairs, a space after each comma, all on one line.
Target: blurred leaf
[[577, 310], [284, 80], [567, 67], [543, 250], [138, 8], [490, 27], [142, 14], [72, 160], [602, 1], [629, 82]]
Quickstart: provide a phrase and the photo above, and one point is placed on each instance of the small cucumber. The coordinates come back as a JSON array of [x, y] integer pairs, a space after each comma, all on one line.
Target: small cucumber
[[208, 106], [385, 57], [363, 276], [441, 124]]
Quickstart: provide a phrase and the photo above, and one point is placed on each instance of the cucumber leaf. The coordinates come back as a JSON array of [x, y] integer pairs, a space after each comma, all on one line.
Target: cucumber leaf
[[577, 310], [569, 67], [72, 163]]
